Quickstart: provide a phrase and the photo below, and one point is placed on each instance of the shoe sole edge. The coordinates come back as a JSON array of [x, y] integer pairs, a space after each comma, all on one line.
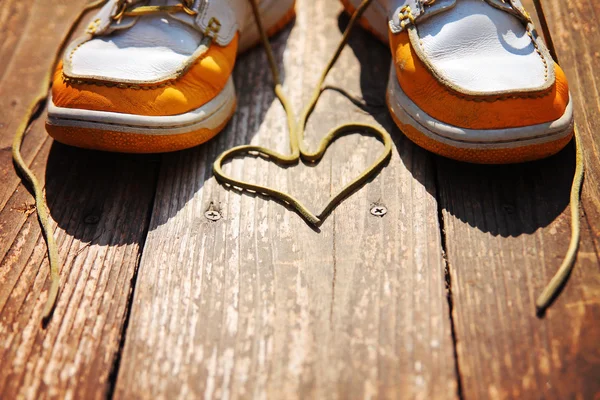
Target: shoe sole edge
[[517, 144], [126, 133]]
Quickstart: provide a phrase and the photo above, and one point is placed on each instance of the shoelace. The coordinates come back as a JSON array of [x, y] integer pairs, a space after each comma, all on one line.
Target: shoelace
[[28, 175], [137, 11], [296, 133], [564, 271]]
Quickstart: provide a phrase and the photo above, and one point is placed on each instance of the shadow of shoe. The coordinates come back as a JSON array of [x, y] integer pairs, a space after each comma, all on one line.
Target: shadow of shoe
[[98, 197]]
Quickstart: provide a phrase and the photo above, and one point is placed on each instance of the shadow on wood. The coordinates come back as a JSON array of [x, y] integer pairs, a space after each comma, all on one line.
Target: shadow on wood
[[86, 188], [507, 200]]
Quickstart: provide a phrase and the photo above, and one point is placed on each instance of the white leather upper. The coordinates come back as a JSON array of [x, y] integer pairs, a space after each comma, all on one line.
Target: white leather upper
[[152, 49], [157, 47], [229, 13], [482, 49], [475, 46]]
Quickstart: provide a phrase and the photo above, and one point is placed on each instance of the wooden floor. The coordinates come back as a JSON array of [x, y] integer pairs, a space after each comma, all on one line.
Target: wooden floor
[[434, 300]]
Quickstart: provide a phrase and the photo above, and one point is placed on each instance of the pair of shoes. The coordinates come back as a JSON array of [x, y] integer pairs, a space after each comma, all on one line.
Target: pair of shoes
[[471, 79]]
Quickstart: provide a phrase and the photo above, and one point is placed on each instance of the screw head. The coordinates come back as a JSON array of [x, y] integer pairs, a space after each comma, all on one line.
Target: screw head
[[378, 211], [212, 215]]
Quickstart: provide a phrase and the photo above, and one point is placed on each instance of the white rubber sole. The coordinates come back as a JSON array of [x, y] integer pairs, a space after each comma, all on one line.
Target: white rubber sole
[[410, 114], [209, 116]]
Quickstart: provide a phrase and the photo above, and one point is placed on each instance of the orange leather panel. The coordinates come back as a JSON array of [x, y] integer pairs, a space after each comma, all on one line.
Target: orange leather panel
[[441, 103], [194, 89]]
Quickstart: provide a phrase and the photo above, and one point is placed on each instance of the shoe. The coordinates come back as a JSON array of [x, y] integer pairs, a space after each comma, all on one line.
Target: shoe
[[155, 76], [471, 80]]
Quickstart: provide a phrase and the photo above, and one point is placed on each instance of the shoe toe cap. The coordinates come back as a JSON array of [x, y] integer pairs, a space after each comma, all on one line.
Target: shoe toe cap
[[485, 108], [109, 89]]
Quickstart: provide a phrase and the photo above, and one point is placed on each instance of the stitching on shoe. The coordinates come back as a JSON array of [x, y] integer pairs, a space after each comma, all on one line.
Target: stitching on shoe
[[170, 82], [537, 49]]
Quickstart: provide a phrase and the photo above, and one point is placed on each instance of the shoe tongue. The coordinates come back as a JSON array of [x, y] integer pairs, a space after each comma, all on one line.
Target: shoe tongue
[[493, 19], [466, 23], [175, 31], [183, 17], [481, 48], [179, 16], [425, 11]]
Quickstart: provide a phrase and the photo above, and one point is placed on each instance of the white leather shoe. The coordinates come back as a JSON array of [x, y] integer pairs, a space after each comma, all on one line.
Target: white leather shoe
[[471, 79], [155, 75]]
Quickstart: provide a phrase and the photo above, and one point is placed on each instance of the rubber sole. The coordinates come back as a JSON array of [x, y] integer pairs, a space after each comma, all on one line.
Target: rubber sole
[[492, 146], [126, 133], [127, 142]]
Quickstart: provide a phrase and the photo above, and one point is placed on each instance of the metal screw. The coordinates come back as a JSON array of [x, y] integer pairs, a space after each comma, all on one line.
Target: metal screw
[[378, 211], [212, 215]]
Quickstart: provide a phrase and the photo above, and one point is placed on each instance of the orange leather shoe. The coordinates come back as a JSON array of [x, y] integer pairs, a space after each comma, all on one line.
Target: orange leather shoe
[[471, 79], [155, 75]]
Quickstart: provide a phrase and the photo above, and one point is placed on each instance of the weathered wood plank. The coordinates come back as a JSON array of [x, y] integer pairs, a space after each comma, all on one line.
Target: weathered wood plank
[[390, 276], [100, 224], [506, 233], [258, 304], [506, 230], [577, 41]]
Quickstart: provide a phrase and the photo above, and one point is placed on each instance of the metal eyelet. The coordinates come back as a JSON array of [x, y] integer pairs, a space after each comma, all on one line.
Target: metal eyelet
[[213, 28]]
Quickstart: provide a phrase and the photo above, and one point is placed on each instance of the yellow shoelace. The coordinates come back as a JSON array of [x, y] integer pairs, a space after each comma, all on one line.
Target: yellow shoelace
[[298, 152], [29, 177], [564, 271], [137, 11], [296, 134]]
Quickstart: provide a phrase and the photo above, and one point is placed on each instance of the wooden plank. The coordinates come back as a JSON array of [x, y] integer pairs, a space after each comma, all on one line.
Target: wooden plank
[[259, 305], [576, 38], [100, 223], [506, 231], [390, 276]]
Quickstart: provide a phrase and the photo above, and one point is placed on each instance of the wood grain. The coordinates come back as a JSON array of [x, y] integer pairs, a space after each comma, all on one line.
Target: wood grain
[[259, 305], [26, 55], [577, 40], [506, 229], [100, 224]]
